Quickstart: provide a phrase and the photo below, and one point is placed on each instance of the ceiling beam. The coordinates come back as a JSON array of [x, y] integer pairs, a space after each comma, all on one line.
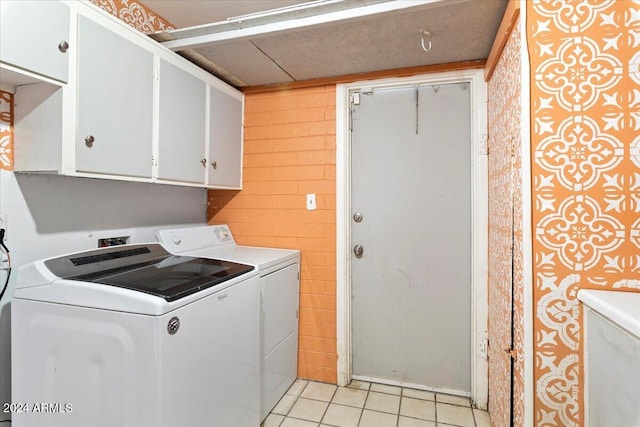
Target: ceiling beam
[[220, 32], [507, 25], [397, 72]]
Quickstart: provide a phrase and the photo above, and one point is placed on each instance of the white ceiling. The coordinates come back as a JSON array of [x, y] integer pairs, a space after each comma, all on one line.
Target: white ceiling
[[461, 30]]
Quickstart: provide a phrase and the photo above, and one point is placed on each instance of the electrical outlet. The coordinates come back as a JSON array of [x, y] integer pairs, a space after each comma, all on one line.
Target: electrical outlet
[[311, 202], [113, 241], [101, 239], [3, 224]]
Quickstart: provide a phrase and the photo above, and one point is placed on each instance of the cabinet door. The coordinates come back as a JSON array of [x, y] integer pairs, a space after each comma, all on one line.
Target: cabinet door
[[32, 36], [115, 103], [225, 140], [182, 125]]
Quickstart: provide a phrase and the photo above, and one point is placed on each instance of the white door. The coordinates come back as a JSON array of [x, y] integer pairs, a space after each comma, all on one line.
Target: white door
[[411, 285]]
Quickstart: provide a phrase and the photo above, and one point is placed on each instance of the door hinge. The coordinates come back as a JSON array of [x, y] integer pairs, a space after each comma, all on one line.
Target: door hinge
[[483, 351], [511, 352], [355, 98], [154, 161], [484, 144], [156, 74]]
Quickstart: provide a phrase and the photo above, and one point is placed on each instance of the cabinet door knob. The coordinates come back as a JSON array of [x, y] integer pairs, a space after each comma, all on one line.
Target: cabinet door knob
[[214, 164], [204, 162], [89, 140], [63, 46]]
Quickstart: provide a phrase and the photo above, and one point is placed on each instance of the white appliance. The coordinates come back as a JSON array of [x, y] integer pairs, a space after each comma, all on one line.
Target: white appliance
[[279, 290], [612, 357], [135, 336]]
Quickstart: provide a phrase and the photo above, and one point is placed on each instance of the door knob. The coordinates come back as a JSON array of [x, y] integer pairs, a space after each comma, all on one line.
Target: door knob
[[204, 162], [357, 217], [358, 250]]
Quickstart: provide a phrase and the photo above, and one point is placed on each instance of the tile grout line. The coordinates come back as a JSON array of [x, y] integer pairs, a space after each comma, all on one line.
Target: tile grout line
[[294, 403], [400, 406], [364, 404], [473, 414], [328, 405], [402, 396]]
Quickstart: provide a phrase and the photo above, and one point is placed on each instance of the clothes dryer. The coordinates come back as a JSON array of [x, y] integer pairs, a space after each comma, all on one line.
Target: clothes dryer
[[279, 271]]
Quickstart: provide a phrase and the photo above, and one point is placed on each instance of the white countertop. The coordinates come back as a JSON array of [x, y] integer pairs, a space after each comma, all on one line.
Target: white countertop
[[621, 308]]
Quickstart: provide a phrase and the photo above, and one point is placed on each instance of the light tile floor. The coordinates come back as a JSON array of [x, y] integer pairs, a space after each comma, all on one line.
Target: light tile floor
[[364, 404]]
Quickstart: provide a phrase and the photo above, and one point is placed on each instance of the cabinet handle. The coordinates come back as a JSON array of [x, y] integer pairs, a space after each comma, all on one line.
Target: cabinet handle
[[214, 164], [88, 141], [63, 46], [204, 163]]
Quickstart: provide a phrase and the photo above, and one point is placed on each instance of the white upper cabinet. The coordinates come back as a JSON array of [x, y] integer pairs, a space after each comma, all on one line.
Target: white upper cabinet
[[115, 103], [182, 125], [225, 140], [34, 36], [130, 109]]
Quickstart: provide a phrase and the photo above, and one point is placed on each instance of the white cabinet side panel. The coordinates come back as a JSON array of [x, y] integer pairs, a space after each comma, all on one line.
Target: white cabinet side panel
[[38, 127]]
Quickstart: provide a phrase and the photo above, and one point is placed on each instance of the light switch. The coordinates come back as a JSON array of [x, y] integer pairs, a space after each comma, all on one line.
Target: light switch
[[311, 202]]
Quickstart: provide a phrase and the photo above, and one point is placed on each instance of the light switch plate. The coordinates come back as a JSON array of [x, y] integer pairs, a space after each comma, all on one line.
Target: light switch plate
[[311, 202]]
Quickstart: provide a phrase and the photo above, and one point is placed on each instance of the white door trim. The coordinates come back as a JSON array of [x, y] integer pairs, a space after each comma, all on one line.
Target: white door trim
[[479, 364], [527, 220]]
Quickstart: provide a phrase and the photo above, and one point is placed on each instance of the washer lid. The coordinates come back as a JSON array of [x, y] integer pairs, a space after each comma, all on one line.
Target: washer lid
[[146, 268], [619, 307]]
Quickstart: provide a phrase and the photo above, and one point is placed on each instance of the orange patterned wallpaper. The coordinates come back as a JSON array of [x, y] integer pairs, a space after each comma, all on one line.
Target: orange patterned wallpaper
[[6, 130], [585, 118], [135, 14], [505, 235]]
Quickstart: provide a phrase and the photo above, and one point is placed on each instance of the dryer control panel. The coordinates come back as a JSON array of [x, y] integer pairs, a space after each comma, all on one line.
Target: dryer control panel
[[179, 240]]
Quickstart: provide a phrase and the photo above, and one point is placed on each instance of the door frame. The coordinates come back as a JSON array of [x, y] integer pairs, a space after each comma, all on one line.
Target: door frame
[[479, 220]]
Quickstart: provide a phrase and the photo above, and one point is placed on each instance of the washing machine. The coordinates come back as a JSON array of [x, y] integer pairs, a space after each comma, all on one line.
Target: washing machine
[[135, 336], [279, 271]]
